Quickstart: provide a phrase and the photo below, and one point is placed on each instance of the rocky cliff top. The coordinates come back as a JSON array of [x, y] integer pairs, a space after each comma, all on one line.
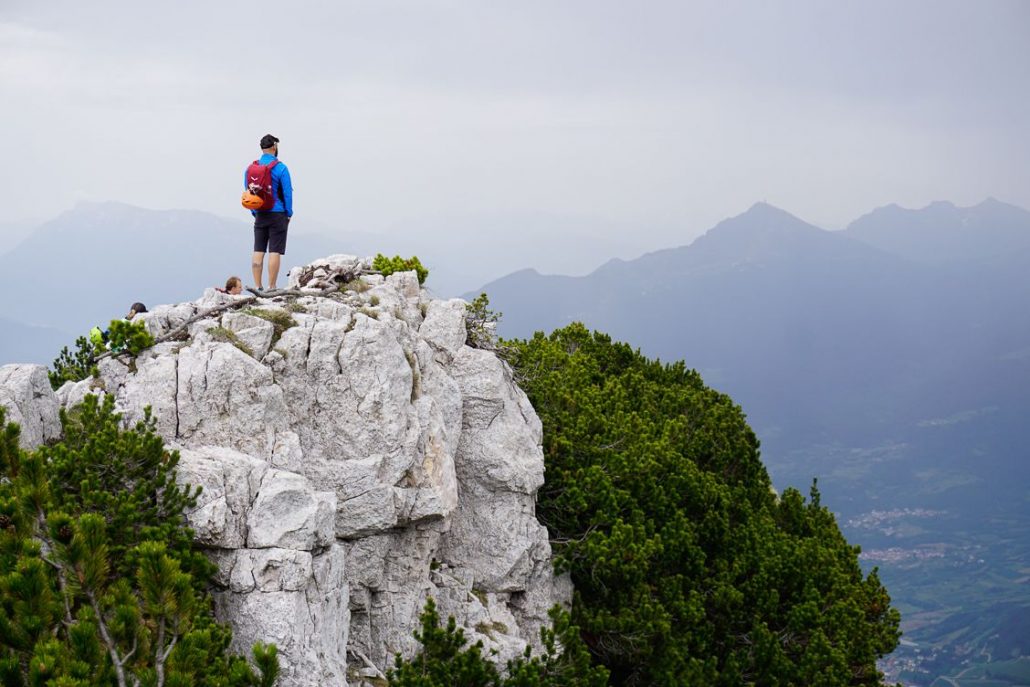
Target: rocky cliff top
[[356, 456]]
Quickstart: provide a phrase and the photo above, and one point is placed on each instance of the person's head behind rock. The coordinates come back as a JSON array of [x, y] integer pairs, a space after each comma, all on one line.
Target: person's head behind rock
[[136, 308]]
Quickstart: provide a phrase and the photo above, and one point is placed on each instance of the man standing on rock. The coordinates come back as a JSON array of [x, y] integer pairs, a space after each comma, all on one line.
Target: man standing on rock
[[270, 223]]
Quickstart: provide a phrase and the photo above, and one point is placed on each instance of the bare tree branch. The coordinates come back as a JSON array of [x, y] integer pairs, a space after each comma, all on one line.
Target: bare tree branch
[[46, 547], [112, 650]]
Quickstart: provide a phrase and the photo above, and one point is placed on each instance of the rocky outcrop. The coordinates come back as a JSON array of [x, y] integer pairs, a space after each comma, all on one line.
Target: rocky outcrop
[[280, 570], [25, 394], [356, 457]]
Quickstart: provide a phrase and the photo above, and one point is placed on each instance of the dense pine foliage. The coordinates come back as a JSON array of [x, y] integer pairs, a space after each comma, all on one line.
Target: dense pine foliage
[[99, 580], [123, 337], [387, 266], [445, 661], [73, 366], [688, 569]]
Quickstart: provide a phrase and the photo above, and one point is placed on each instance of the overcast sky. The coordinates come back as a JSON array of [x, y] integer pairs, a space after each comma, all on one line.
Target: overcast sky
[[652, 115]]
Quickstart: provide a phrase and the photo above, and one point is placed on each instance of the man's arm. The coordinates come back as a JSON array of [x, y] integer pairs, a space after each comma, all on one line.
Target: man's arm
[[287, 188]]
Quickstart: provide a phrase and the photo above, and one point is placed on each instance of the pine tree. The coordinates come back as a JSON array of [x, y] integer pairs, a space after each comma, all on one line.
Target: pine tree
[[387, 266], [99, 580], [74, 366], [123, 337], [688, 569], [444, 661]]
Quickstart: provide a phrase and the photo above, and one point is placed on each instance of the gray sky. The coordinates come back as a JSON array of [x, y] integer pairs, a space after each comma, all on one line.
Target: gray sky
[[662, 116]]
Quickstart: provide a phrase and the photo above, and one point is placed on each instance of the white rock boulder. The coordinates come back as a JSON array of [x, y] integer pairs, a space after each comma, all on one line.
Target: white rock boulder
[[26, 395]]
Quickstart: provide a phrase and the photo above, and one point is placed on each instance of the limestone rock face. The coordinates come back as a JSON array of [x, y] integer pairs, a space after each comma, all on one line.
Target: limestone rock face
[[280, 571], [26, 395], [356, 457]]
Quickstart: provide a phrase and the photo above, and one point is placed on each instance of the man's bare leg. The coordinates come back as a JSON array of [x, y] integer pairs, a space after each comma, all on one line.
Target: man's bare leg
[[257, 263], [273, 269]]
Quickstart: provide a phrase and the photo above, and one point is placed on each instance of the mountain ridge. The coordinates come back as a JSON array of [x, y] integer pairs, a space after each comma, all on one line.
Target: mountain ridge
[[819, 292], [943, 232], [762, 234]]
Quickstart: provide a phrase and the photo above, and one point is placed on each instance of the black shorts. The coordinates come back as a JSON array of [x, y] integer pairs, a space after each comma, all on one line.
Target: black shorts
[[270, 232]]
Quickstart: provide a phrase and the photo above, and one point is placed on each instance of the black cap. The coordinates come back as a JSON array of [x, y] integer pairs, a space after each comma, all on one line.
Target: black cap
[[267, 141]]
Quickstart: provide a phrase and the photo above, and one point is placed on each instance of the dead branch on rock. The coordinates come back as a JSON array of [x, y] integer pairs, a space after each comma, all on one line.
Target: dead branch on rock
[[327, 291], [246, 300]]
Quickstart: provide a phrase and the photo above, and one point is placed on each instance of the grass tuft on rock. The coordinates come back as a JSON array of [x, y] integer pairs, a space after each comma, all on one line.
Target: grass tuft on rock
[[280, 319], [228, 336]]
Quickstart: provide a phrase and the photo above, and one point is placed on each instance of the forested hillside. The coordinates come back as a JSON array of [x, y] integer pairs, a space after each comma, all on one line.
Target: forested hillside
[[688, 568]]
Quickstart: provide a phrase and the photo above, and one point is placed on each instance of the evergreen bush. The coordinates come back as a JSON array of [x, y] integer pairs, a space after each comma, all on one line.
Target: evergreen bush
[[445, 661], [481, 324], [123, 337], [100, 583], [688, 569], [74, 366], [129, 337], [388, 266]]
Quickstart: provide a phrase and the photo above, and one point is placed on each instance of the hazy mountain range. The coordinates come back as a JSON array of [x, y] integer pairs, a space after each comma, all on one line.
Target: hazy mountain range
[[942, 233], [816, 332], [890, 360]]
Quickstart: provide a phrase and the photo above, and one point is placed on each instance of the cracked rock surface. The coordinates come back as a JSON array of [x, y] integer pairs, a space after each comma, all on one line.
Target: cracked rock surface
[[26, 396], [355, 456]]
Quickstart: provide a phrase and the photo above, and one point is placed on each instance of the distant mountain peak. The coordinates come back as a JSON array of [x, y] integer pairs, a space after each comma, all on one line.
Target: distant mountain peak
[[105, 211], [762, 208], [944, 232], [992, 203], [762, 219], [764, 234], [93, 206], [613, 262]]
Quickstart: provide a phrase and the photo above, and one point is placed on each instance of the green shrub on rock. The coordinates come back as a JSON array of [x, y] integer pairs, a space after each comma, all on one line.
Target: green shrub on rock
[[74, 366], [387, 266], [99, 581], [445, 661], [481, 324], [124, 336], [129, 337], [688, 569]]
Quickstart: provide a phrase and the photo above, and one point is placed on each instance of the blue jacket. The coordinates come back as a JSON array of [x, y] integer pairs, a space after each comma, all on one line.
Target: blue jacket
[[281, 185]]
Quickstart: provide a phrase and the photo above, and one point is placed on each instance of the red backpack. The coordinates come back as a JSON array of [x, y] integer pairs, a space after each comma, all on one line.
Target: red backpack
[[259, 194]]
